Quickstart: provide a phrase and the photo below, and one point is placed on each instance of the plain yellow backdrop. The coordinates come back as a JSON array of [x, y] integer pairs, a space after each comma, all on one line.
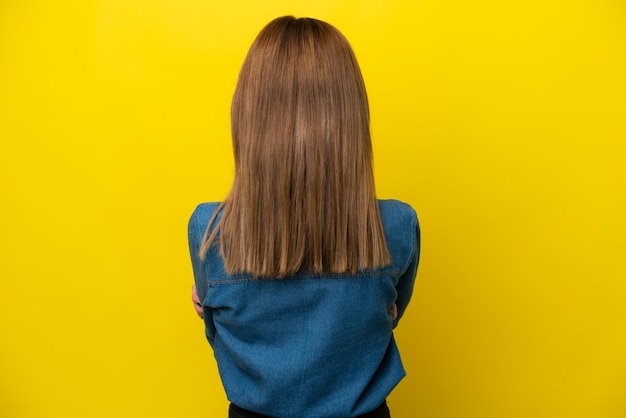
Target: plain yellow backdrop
[[502, 123]]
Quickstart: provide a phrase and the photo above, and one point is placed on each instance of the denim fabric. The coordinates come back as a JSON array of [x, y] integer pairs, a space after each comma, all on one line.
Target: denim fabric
[[308, 345]]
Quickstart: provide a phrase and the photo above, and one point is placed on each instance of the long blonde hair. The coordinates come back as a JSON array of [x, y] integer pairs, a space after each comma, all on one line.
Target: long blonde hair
[[303, 197]]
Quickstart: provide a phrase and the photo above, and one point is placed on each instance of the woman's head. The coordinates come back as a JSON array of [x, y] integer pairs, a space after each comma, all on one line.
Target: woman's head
[[303, 197], [300, 88]]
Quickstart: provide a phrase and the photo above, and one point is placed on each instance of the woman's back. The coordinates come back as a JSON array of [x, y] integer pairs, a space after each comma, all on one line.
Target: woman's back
[[308, 345]]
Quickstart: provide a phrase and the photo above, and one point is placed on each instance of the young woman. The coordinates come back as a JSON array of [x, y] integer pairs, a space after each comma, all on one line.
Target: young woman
[[301, 274]]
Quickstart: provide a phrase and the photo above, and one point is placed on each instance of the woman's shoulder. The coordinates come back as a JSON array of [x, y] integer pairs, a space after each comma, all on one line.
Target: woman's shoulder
[[205, 209], [395, 211], [201, 215], [402, 230]]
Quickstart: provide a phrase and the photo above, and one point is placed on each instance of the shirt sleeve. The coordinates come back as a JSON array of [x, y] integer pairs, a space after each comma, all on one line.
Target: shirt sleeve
[[407, 279], [195, 234]]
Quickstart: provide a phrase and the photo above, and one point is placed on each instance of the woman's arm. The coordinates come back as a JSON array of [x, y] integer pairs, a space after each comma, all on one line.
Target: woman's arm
[[200, 288], [407, 279]]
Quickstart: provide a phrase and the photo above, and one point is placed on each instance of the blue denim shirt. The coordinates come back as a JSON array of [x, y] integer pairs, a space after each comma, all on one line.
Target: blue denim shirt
[[308, 345]]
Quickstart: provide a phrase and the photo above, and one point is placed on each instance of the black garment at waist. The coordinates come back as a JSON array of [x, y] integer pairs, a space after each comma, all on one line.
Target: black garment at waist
[[236, 412]]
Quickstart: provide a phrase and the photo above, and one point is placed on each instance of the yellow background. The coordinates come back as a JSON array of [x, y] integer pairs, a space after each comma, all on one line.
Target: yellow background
[[503, 124]]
